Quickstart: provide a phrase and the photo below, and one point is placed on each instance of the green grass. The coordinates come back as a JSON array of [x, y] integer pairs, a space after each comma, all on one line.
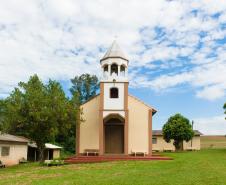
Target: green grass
[[206, 167]]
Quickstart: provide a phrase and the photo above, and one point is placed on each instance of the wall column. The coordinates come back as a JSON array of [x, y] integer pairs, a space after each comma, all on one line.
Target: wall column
[[109, 70], [101, 134], [126, 126], [101, 123], [150, 132], [78, 134], [126, 132]]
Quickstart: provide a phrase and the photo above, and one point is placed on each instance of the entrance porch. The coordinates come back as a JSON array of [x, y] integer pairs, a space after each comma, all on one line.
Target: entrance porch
[[108, 158]]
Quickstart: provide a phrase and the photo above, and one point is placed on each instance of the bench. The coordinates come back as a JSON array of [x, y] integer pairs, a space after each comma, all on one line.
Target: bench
[[95, 152], [2, 165], [138, 153]]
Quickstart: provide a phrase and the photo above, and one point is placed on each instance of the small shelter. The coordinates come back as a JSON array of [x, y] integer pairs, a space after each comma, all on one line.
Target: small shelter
[[51, 152]]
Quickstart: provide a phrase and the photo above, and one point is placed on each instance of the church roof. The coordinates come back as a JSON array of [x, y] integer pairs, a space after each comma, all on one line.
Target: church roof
[[153, 109], [114, 52]]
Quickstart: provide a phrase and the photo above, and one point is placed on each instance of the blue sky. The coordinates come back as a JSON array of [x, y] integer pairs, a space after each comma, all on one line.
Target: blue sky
[[177, 50]]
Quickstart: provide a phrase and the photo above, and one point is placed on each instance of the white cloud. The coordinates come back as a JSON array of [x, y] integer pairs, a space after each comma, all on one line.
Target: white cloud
[[58, 39], [211, 125], [211, 92], [171, 81]]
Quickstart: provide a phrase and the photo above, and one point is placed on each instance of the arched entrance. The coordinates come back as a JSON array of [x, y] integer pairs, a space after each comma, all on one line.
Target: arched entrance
[[114, 135]]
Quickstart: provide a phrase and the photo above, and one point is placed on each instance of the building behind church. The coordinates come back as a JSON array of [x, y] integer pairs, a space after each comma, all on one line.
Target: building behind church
[[160, 145], [15, 149]]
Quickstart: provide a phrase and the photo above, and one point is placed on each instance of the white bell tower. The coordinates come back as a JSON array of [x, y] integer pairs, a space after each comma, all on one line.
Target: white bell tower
[[114, 66], [114, 94]]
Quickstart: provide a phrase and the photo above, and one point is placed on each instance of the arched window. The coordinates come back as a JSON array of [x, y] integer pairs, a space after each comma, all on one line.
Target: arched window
[[114, 69], [122, 68], [114, 92], [106, 68]]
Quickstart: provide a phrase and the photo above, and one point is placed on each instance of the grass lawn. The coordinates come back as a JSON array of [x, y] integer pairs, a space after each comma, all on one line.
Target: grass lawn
[[206, 167]]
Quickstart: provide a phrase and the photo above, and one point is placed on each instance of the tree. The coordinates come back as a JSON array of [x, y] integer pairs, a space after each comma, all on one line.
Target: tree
[[179, 129], [224, 109], [2, 105], [84, 86], [64, 113], [39, 112]]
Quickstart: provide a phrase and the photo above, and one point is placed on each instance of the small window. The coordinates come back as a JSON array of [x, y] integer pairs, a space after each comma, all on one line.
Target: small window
[[114, 92], [114, 69], [154, 140], [5, 151], [106, 68], [122, 68]]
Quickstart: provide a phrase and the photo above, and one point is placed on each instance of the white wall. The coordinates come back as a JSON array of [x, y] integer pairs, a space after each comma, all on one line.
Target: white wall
[[195, 144], [114, 103], [162, 145], [16, 152]]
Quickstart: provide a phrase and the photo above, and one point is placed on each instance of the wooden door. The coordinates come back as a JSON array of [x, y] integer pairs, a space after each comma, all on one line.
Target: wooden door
[[114, 139]]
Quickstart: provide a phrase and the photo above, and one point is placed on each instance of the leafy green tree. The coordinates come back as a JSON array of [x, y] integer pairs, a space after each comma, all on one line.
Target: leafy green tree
[[65, 112], [179, 129], [224, 109], [84, 86], [39, 112], [65, 115], [2, 109]]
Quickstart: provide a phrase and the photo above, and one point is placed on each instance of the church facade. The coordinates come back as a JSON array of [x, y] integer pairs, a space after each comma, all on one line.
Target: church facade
[[115, 122]]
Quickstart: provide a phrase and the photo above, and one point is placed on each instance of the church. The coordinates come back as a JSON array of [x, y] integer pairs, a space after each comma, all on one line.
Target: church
[[115, 122]]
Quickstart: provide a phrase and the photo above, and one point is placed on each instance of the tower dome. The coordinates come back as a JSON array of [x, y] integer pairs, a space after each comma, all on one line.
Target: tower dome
[[114, 52]]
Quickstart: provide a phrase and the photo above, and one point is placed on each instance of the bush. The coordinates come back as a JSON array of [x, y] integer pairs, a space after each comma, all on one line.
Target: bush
[[54, 162]]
